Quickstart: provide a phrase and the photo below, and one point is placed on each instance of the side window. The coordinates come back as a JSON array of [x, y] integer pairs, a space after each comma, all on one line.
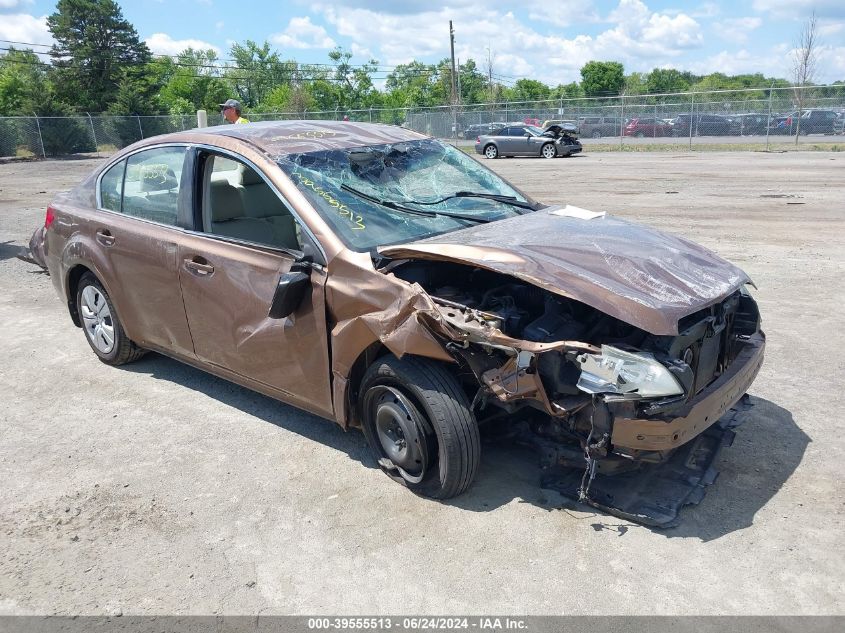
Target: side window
[[111, 187], [151, 189], [238, 203]]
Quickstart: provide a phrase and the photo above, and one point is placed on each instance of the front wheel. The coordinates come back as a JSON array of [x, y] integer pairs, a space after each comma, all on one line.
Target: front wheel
[[103, 329], [548, 151], [640, 134], [419, 426], [596, 134], [491, 152]]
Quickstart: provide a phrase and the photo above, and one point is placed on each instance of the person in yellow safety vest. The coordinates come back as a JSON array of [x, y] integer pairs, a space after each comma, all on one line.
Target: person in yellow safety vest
[[231, 111]]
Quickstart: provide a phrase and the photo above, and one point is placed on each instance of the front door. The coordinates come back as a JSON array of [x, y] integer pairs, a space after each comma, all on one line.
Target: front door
[[229, 272]]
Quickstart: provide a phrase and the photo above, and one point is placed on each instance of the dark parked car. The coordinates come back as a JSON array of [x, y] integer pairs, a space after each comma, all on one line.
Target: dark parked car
[[702, 125], [811, 122], [477, 129], [819, 122], [387, 281], [598, 126], [748, 124], [647, 126], [518, 139]]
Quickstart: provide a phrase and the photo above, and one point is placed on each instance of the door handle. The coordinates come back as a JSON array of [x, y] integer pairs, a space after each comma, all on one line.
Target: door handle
[[105, 237], [200, 267]]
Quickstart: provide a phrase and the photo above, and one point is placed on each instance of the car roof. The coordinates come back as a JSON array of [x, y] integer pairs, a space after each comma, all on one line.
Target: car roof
[[279, 138]]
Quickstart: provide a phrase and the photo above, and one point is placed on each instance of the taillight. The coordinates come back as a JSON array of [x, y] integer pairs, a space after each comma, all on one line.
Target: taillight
[[48, 219], [477, 139]]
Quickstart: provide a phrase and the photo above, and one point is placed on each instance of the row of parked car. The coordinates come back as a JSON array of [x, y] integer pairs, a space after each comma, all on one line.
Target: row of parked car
[[812, 121]]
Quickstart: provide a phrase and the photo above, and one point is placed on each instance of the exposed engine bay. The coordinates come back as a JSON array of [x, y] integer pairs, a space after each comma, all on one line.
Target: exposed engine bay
[[563, 377]]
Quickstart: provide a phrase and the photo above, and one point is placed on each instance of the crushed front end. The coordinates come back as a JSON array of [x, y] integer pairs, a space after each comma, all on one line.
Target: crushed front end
[[605, 403]]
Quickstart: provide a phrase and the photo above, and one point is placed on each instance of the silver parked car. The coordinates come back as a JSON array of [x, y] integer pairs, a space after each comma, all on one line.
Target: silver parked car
[[519, 139]]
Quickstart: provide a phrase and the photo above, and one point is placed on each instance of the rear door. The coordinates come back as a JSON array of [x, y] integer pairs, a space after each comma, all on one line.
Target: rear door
[[246, 239], [139, 238]]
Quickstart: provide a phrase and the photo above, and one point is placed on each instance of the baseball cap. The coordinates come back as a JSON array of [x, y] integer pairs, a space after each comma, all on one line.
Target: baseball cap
[[231, 103]]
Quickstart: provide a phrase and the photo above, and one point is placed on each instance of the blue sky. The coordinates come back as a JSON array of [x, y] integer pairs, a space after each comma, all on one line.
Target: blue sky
[[539, 39]]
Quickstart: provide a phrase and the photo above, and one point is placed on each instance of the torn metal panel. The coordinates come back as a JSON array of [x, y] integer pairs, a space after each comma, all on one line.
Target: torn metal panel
[[365, 308], [638, 275]]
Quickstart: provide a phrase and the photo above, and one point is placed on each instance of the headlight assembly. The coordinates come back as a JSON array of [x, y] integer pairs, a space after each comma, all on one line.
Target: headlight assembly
[[621, 372]]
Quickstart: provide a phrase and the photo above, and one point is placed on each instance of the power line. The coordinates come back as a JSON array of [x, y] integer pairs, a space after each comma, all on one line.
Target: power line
[[381, 67]]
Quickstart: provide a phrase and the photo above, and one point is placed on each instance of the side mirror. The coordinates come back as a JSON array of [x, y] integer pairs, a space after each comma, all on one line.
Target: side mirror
[[289, 294]]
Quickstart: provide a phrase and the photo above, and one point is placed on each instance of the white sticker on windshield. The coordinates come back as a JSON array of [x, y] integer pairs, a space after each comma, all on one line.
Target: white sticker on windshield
[[576, 212]]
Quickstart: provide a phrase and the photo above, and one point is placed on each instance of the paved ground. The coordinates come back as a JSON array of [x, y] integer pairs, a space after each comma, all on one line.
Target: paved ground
[[159, 489]]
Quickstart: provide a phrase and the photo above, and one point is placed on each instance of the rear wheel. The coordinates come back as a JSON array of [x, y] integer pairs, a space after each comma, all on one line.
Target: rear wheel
[[419, 426], [103, 329], [548, 151], [491, 152]]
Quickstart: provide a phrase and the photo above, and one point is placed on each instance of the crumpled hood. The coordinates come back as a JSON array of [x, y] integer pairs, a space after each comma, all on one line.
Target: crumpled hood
[[636, 274]]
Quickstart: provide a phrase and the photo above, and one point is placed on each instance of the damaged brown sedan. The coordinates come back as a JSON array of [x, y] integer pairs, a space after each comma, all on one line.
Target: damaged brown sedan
[[390, 282]]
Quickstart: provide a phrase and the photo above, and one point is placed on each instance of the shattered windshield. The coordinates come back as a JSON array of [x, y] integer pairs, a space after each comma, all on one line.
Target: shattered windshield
[[399, 192]]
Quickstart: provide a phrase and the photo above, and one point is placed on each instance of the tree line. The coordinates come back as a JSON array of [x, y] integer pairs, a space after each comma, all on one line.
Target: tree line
[[100, 65]]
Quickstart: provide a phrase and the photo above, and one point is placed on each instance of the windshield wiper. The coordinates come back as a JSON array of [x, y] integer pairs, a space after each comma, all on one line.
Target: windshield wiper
[[511, 200], [398, 207]]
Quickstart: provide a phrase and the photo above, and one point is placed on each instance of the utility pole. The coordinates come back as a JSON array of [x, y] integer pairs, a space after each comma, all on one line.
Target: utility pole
[[490, 80], [454, 81], [459, 81], [452, 45]]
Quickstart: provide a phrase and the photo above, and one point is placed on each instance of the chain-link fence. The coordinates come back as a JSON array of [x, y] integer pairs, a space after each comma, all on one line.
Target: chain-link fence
[[693, 118], [60, 136]]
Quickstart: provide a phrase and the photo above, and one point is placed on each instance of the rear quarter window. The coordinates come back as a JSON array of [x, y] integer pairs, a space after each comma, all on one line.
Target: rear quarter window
[[111, 187]]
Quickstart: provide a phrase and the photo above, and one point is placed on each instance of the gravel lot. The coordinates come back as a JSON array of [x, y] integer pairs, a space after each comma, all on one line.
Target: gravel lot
[[156, 488]]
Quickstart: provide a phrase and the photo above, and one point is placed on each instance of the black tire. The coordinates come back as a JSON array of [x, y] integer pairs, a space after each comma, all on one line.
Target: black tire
[[596, 134], [123, 349], [545, 153], [491, 152], [443, 449], [640, 135]]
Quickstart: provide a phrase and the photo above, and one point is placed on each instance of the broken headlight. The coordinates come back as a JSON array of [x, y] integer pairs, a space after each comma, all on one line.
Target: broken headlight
[[618, 371]]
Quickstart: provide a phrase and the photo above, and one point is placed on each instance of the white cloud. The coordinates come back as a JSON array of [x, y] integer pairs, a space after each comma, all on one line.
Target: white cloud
[[640, 38], [737, 29], [11, 4], [835, 58], [22, 27], [773, 63], [706, 10], [831, 64], [563, 12], [801, 8], [362, 51], [829, 29], [163, 44], [302, 33]]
